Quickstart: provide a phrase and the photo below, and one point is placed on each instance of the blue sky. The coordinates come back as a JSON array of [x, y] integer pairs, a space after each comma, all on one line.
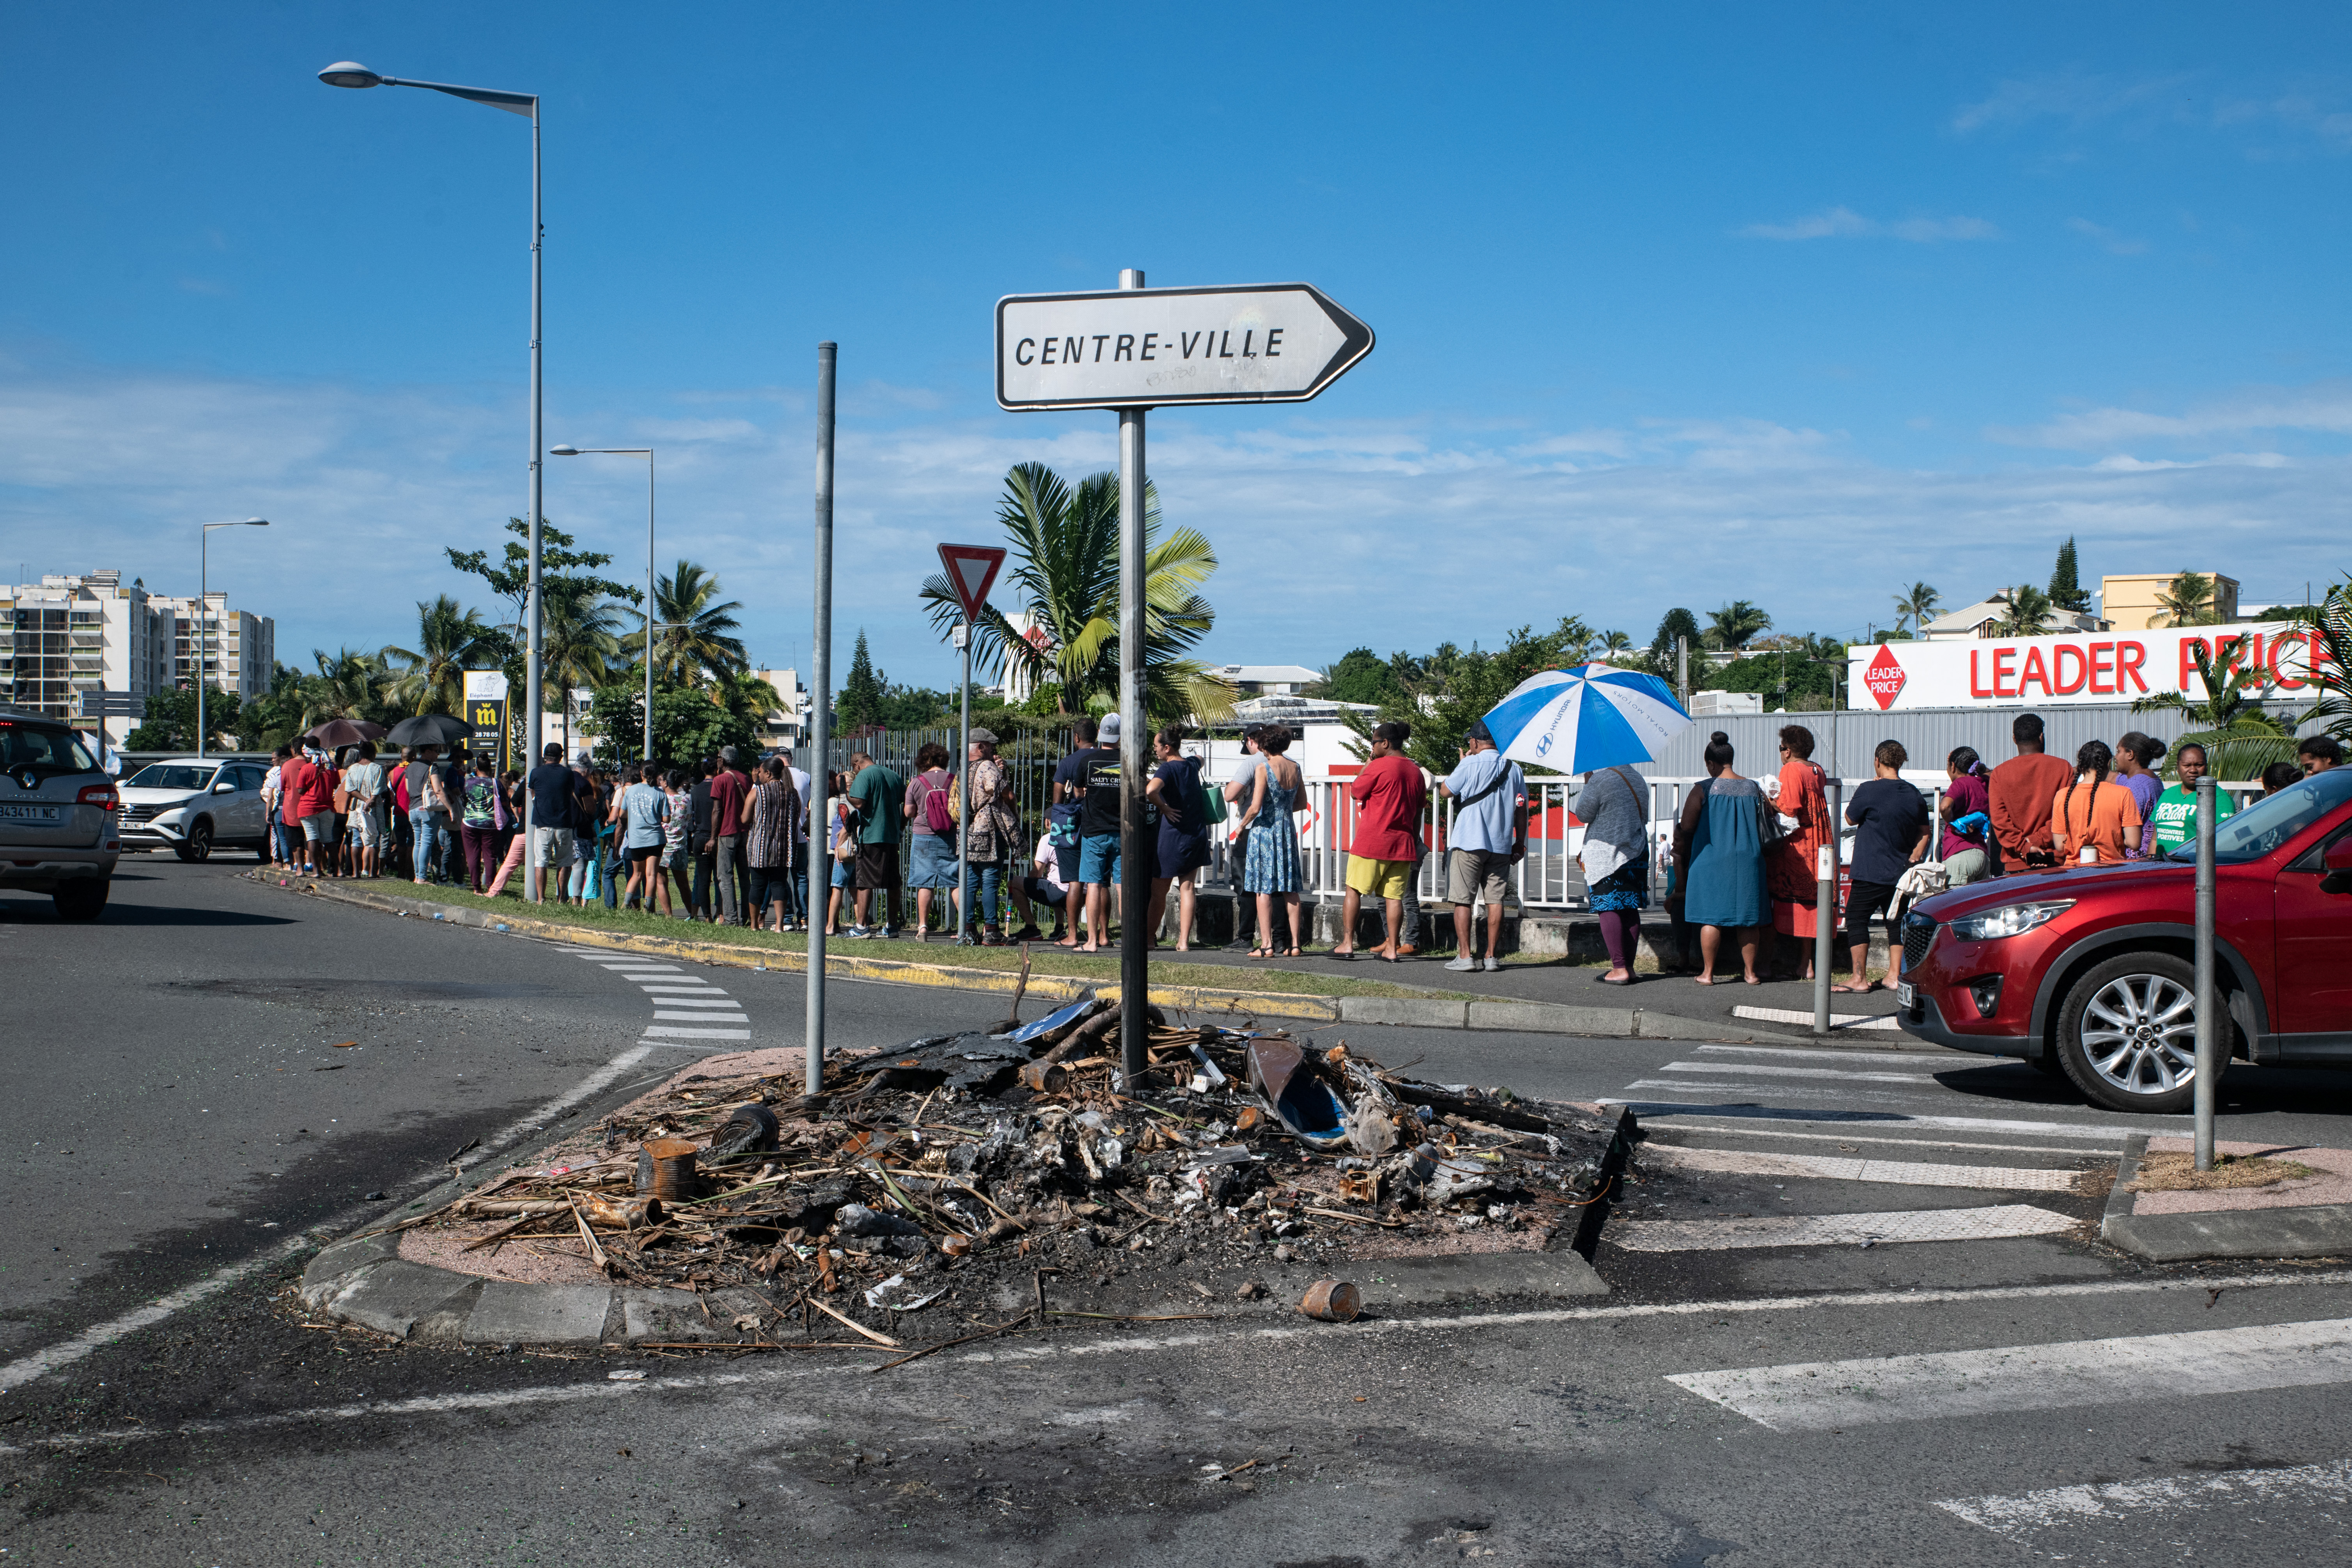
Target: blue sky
[[1676, 304]]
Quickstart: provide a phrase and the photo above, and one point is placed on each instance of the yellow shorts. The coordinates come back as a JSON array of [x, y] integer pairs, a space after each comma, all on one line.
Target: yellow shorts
[[1378, 879]]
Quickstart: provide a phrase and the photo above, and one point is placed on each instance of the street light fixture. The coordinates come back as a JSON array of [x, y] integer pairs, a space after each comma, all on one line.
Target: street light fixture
[[647, 454], [204, 605], [351, 74]]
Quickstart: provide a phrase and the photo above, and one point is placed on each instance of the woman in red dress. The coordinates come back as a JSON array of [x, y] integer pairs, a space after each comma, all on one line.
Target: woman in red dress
[[1789, 867]]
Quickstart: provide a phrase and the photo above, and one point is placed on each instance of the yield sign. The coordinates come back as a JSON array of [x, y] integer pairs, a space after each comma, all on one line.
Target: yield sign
[[971, 571]]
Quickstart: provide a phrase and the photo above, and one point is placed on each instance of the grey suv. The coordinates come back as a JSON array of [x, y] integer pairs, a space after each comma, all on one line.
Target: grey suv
[[193, 806], [60, 830]]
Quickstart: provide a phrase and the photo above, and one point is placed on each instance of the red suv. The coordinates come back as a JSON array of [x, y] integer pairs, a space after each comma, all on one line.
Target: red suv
[[2091, 971]]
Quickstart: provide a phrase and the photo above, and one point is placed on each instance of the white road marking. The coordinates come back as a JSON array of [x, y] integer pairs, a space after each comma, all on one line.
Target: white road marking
[[1114, 1345], [1889, 1059], [720, 1000], [1760, 1069], [669, 1031], [25, 1368], [2021, 1515], [1829, 1167], [702, 1018], [1837, 1020], [692, 987], [2170, 1125], [1818, 1395], [1836, 1229], [1901, 1142]]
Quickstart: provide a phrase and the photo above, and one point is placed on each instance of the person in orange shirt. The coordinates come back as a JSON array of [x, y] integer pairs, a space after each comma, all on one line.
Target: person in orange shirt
[[2094, 819]]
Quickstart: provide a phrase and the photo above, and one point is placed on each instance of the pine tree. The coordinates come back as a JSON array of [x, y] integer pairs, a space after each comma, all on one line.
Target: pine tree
[[861, 694], [2066, 585]]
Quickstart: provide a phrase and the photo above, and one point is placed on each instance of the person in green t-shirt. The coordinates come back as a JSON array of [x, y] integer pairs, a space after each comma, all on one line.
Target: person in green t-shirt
[[879, 795], [2175, 815]]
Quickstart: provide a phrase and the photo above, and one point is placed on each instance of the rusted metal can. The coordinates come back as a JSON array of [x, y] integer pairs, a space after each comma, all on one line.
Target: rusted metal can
[[673, 1169], [1333, 1301]]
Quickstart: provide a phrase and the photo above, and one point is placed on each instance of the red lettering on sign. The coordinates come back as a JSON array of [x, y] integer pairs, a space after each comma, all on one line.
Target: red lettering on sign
[[2129, 657], [2002, 659], [2188, 647], [1975, 690], [2060, 686], [2286, 683], [2105, 667], [2034, 673], [1884, 677]]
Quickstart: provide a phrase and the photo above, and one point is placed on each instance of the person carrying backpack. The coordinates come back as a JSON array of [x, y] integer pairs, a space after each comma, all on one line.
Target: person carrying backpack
[[930, 807]]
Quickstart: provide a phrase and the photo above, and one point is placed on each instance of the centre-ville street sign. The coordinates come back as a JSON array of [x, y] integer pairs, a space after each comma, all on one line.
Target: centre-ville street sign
[[1144, 348]]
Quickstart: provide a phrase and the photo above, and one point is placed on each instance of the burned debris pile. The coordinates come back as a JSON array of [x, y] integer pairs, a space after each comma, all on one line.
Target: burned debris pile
[[967, 1163]]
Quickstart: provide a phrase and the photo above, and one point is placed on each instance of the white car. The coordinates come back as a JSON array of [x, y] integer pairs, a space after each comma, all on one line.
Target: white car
[[193, 806]]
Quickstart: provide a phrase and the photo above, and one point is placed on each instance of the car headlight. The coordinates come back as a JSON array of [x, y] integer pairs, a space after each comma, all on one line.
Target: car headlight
[[2009, 919]]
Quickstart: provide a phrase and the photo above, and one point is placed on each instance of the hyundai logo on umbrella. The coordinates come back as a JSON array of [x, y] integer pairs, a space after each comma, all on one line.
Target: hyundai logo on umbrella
[[1543, 747]]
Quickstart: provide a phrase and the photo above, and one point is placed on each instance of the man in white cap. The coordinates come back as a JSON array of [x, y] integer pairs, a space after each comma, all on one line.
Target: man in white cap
[[1098, 831]]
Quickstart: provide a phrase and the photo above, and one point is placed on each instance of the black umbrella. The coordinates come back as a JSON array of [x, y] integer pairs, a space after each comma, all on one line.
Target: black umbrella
[[337, 733], [430, 729]]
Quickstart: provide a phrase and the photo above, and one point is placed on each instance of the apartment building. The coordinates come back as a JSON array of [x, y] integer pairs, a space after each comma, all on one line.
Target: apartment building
[[82, 632], [238, 649]]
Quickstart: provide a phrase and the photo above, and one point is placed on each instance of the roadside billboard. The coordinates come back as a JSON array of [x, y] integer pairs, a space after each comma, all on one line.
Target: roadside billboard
[[2075, 666]]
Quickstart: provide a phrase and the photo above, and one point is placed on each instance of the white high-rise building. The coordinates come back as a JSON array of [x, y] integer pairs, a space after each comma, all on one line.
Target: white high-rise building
[[82, 632], [240, 653], [786, 723]]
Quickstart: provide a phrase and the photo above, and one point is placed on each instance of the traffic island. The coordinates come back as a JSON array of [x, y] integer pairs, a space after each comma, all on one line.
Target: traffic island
[[2293, 1201], [973, 1183]]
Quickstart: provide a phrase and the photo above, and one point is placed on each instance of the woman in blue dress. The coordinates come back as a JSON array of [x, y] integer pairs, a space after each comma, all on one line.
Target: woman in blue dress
[[1273, 867], [1719, 848]]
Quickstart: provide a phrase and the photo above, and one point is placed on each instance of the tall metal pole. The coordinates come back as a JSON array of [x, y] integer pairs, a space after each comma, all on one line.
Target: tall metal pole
[[963, 783], [531, 675], [1134, 849], [1682, 669], [649, 604], [819, 727], [204, 598], [1825, 906], [2209, 1001]]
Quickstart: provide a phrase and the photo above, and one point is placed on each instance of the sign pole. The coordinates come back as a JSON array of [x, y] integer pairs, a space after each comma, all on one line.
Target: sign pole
[[963, 786], [2208, 1022], [1826, 906], [1134, 882], [820, 730]]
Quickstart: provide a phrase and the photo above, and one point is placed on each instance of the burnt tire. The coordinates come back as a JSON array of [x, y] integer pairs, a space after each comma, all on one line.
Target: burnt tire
[[2128, 1034], [82, 901]]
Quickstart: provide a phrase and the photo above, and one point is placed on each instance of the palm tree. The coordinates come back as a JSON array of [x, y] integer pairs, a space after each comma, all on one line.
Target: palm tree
[[2239, 737], [694, 642], [1731, 627], [350, 685], [2025, 611], [578, 642], [1614, 645], [449, 642], [1065, 549], [2186, 601], [1914, 607]]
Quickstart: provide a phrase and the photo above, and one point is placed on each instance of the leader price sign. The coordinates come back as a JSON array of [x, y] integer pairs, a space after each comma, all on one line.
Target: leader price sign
[[1143, 348]]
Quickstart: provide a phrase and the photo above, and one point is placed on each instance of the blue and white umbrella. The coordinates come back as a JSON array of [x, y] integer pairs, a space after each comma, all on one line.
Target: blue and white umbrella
[[1592, 716]]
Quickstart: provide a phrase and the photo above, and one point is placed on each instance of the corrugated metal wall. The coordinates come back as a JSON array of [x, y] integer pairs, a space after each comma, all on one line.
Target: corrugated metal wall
[[1843, 740]]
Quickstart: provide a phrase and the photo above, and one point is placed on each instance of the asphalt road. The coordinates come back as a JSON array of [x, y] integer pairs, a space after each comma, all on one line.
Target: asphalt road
[[2013, 1391]]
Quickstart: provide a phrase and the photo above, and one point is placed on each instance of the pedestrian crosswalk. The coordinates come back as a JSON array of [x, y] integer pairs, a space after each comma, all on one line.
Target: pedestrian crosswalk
[[687, 1009], [2027, 1518], [1836, 1394]]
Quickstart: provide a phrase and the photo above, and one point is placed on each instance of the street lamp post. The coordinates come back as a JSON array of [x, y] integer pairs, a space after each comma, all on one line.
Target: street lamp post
[[351, 74], [203, 604], [647, 454]]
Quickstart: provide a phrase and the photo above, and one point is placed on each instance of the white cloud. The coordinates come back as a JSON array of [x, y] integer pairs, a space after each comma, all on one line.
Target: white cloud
[[2070, 96], [1395, 533], [2137, 106], [2324, 409], [2116, 243], [1845, 223]]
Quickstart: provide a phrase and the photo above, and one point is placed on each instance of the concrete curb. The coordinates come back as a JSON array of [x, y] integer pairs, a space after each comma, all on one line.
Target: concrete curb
[[2317, 1230], [1429, 1013]]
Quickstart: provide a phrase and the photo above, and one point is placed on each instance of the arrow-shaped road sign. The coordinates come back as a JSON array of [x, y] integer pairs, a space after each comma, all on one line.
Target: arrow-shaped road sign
[[971, 571], [1142, 348]]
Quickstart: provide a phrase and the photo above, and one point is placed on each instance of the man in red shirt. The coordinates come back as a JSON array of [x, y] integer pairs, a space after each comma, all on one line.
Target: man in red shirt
[[309, 785], [1390, 797], [2020, 794]]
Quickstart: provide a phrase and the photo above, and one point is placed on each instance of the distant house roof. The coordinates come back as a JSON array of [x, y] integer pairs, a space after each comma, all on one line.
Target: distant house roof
[[1267, 674], [1977, 619], [1296, 709]]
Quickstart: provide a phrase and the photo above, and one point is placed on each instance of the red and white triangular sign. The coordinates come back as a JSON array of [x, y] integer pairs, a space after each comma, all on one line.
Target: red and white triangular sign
[[972, 571]]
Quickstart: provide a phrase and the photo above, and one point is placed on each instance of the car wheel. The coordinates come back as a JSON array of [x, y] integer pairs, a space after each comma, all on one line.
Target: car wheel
[[82, 901], [2128, 1034], [199, 843]]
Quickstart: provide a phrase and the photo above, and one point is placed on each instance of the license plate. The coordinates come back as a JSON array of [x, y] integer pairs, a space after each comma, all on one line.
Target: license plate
[[29, 814], [1903, 993]]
